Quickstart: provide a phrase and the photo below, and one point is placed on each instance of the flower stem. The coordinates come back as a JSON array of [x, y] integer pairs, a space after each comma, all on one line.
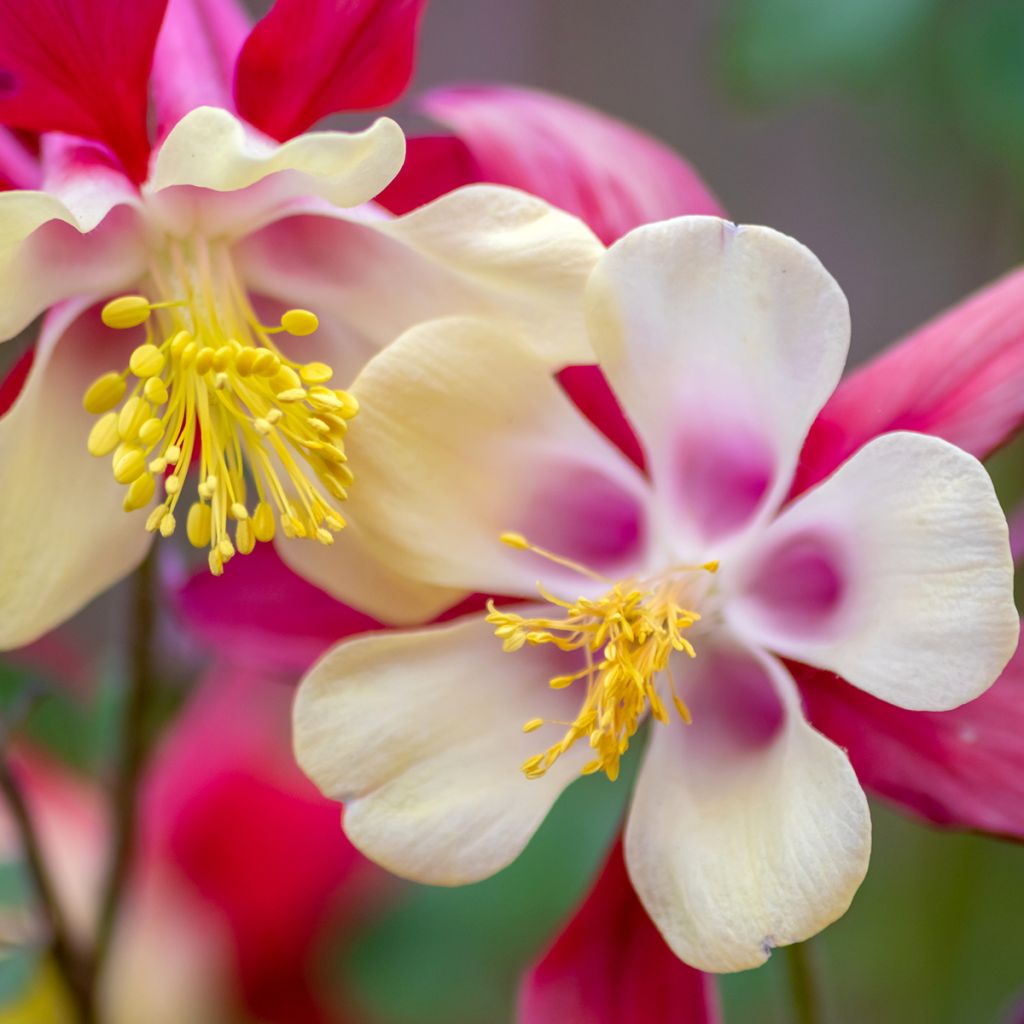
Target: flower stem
[[802, 987], [66, 957], [133, 750]]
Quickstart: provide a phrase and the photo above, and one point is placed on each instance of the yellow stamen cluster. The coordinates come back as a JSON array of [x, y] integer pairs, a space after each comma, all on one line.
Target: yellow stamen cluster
[[208, 379], [627, 636]]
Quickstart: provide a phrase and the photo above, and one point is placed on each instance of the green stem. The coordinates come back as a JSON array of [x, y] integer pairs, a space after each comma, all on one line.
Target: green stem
[[802, 987], [133, 751]]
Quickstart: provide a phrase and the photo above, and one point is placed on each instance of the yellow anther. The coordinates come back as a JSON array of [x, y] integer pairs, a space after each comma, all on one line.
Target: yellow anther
[[316, 373], [104, 438], [286, 379], [128, 466], [104, 393], [127, 311], [336, 488], [263, 524], [222, 357], [151, 431], [349, 404], [267, 363], [146, 361], [325, 399], [133, 414], [245, 362], [211, 389], [154, 518], [179, 342], [299, 322], [710, 566], [626, 636], [245, 538], [155, 391], [332, 453], [204, 360], [140, 493], [198, 525]]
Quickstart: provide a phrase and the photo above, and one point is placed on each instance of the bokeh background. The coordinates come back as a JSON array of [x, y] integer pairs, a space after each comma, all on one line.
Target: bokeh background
[[888, 135]]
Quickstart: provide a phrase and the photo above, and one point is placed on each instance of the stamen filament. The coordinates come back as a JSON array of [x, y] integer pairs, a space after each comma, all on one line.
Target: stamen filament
[[627, 636], [209, 379]]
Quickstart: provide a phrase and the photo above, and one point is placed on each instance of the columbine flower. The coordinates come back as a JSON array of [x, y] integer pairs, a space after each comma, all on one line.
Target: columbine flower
[[239, 286], [671, 594]]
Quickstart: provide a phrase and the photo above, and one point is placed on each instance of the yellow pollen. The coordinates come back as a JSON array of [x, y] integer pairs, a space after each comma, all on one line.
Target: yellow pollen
[[627, 636], [207, 391]]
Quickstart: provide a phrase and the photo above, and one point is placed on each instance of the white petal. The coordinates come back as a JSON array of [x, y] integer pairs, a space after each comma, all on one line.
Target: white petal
[[722, 343], [481, 250], [348, 571], [463, 434], [748, 829], [211, 149], [45, 256], [63, 535], [921, 610], [421, 735]]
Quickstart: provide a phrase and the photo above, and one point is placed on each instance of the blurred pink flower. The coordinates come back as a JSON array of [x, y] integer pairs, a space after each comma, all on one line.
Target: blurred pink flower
[[229, 811], [240, 874], [609, 965], [84, 67]]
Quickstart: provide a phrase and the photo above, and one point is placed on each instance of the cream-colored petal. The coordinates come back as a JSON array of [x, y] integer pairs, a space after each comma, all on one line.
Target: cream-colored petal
[[910, 536], [46, 256], [748, 829], [63, 535], [478, 251], [210, 149], [463, 434], [421, 735], [349, 571], [722, 343]]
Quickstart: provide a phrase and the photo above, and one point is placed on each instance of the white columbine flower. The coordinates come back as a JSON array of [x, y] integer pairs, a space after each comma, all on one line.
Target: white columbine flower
[[241, 283], [671, 593]]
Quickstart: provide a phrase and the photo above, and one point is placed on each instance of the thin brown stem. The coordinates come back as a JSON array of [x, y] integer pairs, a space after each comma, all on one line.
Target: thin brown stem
[[133, 751], [66, 957]]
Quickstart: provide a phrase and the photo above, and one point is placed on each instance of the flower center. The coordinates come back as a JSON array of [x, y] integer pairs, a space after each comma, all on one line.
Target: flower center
[[627, 636], [208, 380]]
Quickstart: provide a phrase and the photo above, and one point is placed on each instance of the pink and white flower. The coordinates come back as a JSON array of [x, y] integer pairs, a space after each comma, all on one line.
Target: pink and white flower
[[686, 584], [208, 250]]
